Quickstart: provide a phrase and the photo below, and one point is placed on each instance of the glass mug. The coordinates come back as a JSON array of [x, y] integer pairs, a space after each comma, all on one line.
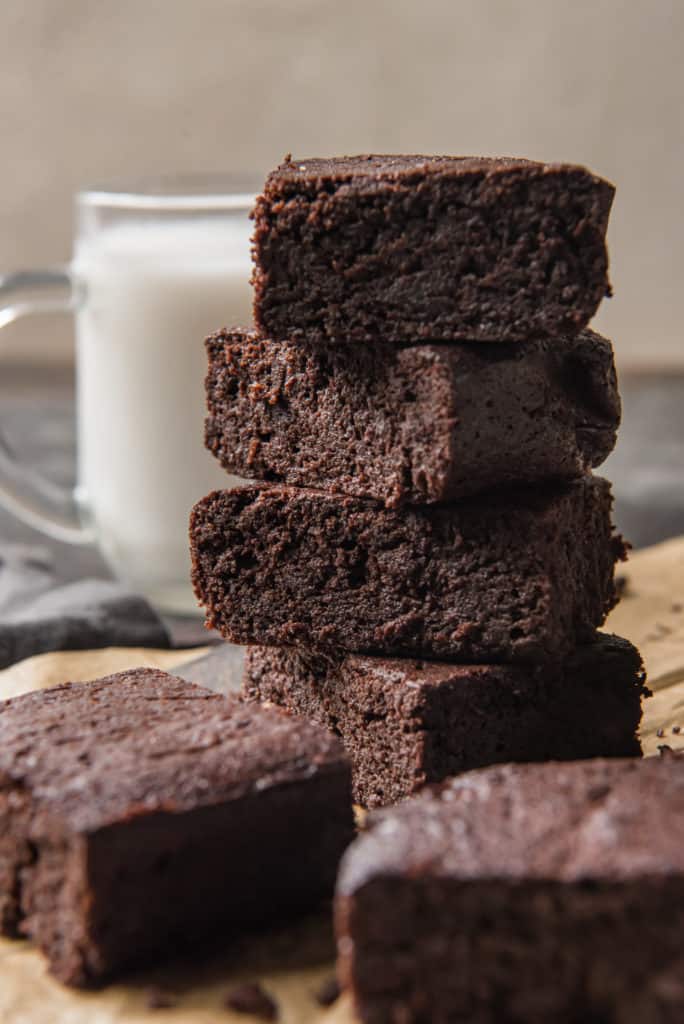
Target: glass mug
[[154, 271]]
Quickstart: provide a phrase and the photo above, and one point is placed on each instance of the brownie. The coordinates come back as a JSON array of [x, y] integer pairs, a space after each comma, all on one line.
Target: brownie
[[521, 894], [404, 248], [414, 425], [140, 815], [516, 576], [405, 723]]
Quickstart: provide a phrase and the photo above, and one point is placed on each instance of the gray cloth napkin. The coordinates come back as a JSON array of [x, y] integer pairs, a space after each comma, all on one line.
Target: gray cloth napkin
[[38, 613]]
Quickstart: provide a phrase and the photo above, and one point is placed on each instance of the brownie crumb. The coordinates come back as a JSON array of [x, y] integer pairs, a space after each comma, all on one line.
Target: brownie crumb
[[252, 998], [622, 585], [159, 999], [328, 993]]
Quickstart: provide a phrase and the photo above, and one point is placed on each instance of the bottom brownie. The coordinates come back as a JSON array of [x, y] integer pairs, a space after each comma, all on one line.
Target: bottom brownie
[[141, 815], [521, 894], [406, 723]]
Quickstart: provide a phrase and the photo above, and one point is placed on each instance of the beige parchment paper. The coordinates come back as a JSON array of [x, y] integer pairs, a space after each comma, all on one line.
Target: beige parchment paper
[[292, 964]]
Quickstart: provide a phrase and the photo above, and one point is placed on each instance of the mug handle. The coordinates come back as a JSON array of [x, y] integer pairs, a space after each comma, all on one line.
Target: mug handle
[[39, 502]]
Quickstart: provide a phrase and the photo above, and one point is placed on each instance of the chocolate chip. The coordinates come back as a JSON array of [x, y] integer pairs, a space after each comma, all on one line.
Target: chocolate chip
[[251, 998], [598, 792], [676, 729], [328, 993], [660, 733], [158, 999]]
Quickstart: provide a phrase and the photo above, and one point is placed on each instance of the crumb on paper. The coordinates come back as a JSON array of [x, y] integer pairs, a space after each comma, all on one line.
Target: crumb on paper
[[622, 587], [159, 999], [329, 992], [251, 998]]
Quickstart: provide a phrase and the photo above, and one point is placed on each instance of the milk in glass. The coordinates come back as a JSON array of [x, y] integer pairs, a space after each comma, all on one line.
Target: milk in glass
[[153, 289]]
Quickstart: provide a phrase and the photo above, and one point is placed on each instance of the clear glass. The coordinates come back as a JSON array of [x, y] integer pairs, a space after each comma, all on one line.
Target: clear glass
[[156, 267]]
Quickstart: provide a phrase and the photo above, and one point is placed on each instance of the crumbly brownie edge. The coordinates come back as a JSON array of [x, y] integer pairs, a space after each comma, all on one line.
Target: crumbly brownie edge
[[539, 564], [335, 292], [405, 724], [415, 425]]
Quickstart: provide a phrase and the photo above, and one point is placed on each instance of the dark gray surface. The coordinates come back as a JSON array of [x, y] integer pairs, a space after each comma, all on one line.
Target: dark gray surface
[[647, 469], [40, 613]]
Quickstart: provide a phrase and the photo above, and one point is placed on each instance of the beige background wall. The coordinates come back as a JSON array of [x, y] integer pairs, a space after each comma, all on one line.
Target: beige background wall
[[93, 89]]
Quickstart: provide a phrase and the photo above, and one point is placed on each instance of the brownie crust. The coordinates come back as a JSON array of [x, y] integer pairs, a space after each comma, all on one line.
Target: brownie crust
[[415, 425], [406, 723], [516, 893], [140, 815], [408, 248], [518, 576]]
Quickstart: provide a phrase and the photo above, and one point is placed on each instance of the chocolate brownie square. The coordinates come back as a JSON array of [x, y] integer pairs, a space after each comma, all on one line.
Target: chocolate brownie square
[[406, 723], [437, 248], [521, 894], [513, 576], [140, 815], [414, 425]]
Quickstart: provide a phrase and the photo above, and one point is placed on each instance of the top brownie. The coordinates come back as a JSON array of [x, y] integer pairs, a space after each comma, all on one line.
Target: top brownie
[[400, 248]]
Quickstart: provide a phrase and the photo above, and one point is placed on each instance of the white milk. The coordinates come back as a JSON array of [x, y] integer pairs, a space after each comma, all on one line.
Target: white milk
[[153, 292]]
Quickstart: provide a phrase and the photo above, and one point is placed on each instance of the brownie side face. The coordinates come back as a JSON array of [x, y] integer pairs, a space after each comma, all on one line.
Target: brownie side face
[[519, 576], [405, 723], [358, 249], [141, 815], [521, 893], [415, 425]]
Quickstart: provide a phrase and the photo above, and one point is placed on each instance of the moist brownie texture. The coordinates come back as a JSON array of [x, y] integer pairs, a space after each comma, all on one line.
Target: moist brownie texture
[[515, 576], [140, 814], [521, 894], [406, 723], [414, 425], [404, 248]]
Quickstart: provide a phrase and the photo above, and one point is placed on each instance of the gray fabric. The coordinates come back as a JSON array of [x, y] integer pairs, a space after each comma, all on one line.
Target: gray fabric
[[39, 614]]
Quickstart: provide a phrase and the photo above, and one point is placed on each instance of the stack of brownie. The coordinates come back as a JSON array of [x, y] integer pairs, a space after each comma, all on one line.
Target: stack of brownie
[[427, 557]]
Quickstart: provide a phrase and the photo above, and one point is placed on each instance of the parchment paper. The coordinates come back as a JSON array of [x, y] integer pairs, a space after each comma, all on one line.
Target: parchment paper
[[292, 964]]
